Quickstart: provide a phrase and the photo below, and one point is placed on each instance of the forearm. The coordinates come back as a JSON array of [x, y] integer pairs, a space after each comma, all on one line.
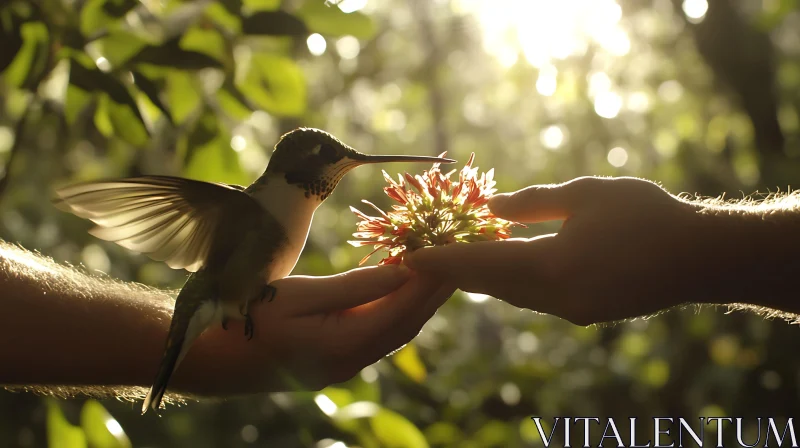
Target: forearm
[[61, 326], [751, 253]]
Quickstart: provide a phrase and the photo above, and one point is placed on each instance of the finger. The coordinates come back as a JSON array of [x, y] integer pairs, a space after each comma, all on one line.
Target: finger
[[388, 324], [481, 263], [539, 203], [304, 295]]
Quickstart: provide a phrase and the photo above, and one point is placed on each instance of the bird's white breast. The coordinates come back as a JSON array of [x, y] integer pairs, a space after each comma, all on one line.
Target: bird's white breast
[[289, 205]]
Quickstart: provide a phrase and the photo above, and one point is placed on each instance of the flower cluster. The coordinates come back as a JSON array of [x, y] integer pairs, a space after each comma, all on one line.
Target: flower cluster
[[432, 211]]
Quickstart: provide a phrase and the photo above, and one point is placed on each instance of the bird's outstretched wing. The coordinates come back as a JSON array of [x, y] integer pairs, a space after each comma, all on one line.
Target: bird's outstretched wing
[[170, 219]]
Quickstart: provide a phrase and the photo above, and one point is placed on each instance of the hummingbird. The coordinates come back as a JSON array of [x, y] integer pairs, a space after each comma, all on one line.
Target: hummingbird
[[234, 240]]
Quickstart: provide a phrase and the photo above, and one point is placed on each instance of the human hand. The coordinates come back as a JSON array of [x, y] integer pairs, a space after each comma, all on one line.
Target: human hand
[[316, 332], [627, 248]]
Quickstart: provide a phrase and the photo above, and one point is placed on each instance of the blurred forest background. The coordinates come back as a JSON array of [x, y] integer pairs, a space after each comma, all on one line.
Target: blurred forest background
[[701, 96]]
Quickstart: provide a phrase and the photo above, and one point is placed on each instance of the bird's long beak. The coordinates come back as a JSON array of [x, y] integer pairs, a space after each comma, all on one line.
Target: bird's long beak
[[364, 159]]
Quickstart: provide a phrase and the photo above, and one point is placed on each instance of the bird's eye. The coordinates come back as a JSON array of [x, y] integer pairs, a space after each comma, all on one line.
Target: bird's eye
[[327, 151]]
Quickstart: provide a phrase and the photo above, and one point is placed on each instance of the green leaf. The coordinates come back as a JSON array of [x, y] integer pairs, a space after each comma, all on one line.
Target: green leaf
[[101, 430], [226, 14], [152, 90], [409, 362], [94, 80], [396, 431], [118, 8], [206, 41], [216, 162], [101, 119], [262, 5], [231, 7], [274, 23], [182, 96], [324, 18], [31, 60], [60, 433], [232, 101], [94, 17], [340, 396], [771, 17], [76, 101], [494, 433], [127, 125], [210, 156], [119, 46], [443, 433], [170, 54], [11, 36], [276, 84]]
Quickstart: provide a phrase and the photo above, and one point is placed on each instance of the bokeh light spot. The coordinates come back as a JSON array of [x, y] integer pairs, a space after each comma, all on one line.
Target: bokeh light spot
[[510, 394], [369, 374], [527, 342], [618, 157], [114, 428], [325, 404], [477, 298], [695, 10], [316, 44], [552, 137], [670, 91], [103, 64], [238, 143], [546, 83], [249, 433], [348, 6], [607, 104], [348, 47]]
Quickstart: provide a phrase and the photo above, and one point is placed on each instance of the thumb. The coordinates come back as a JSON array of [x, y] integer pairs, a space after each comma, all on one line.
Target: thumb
[[539, 203]]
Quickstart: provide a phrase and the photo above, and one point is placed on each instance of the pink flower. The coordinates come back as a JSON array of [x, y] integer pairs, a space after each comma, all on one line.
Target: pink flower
[[432, 210]]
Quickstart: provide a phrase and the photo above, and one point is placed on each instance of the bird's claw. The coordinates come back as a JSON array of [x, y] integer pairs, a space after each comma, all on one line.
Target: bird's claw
[[224, 323]]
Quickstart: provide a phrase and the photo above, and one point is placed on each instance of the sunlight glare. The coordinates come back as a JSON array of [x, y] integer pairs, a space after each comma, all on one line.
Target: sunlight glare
[[599, 82], [695, 10], [546, 30], [547, 82], [608, 104], [618, 157], [316, 44], [23, 260], [552, 137], [615, 42]]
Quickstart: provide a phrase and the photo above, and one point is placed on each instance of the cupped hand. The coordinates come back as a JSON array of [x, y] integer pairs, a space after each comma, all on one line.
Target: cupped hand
[[316, 332], [627, 248]]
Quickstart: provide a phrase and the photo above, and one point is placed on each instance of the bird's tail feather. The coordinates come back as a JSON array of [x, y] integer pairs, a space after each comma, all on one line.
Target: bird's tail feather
[[168, 364], [182, 332]]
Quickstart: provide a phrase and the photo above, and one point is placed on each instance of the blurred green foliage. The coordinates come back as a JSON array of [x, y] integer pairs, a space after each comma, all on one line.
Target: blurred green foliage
[[703, 101]]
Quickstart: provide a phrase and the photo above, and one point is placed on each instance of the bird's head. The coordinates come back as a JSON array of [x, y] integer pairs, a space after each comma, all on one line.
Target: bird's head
[[316, 161]]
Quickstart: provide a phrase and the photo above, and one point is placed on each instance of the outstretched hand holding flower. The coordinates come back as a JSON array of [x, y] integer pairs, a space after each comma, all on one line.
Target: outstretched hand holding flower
[[432, 211]]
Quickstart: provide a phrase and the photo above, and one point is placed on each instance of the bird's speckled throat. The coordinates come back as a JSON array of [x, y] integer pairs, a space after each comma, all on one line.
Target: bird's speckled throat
[[320, 181]]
